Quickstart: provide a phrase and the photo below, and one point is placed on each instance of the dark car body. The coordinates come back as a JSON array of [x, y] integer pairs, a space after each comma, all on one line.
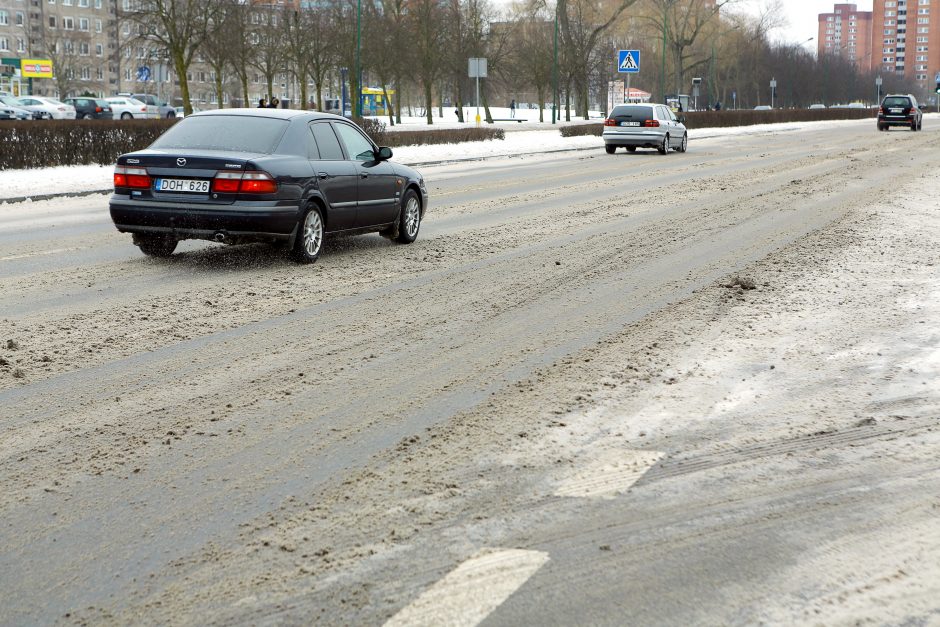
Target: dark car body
[[91, 108], [242, 175], [900, 110]]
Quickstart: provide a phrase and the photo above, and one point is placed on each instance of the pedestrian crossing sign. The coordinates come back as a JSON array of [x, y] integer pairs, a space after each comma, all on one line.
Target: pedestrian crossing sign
[[628, 61]]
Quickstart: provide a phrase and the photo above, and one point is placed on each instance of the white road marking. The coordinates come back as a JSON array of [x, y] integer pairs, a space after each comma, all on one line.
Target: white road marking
[[469, 593], [55, 251], [610, 474]]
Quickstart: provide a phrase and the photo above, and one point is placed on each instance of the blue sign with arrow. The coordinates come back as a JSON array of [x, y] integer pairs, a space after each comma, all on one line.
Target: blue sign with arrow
[[628, 61]]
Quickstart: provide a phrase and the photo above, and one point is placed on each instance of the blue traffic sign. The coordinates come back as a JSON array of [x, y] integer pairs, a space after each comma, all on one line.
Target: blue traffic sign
[[143, 73], [628, 61]]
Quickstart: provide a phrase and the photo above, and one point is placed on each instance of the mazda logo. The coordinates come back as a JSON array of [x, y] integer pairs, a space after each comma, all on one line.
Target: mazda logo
[[181, 162]]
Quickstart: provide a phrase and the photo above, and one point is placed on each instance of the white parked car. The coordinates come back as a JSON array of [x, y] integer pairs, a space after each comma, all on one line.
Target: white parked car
[[125, 108], [49, 108]]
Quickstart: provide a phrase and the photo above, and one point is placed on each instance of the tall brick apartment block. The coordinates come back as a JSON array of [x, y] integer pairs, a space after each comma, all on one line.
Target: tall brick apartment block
[[906, 38], [847, 32]]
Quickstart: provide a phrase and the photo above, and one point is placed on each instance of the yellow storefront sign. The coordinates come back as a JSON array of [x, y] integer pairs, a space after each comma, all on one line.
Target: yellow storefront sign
[[36, 68]]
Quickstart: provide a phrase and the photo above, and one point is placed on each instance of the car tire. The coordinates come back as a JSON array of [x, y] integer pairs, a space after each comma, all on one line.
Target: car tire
[[126, 116], [631, 148], [170, 115], [881, 127], [409, 218], [684, 145], [610, 149], [155, 245], [665, 147], [310, 231]]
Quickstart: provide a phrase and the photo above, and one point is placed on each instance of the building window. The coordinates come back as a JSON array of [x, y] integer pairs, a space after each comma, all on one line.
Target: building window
[[4, 43], [99, 50], [20, 44], [51, 21], [4, 18], [83, 24], [20, 18], [68, 23]]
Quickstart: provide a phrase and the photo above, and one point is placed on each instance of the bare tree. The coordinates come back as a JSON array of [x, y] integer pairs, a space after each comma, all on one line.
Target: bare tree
[[179, 27], [582, 24], [427, 29]]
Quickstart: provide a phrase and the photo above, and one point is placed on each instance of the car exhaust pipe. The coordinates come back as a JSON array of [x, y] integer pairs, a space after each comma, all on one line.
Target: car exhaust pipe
[[219, 237]]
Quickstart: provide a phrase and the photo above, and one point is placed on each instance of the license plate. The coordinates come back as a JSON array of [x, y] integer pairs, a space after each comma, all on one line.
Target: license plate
[[629, 124], [189, 186], [896, 110]]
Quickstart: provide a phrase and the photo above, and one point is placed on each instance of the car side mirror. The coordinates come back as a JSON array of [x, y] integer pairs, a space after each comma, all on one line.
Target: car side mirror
[[681, 119], [384, 153]]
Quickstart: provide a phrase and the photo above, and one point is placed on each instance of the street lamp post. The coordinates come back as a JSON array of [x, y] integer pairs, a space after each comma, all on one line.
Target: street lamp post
[[357, 110], [877, 90]]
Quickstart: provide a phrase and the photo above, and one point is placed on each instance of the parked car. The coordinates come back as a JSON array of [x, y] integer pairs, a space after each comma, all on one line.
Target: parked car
[[49, 108], [7, 112], [644, 126], [181, 111], [94, 108], [763, 108], [900, 110], [21, 112], [270, 175], [126, 108], [163, 109], [817, 106]]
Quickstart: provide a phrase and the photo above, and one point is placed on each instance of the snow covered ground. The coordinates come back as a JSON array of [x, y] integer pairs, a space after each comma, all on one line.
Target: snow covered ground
[[524, 138]]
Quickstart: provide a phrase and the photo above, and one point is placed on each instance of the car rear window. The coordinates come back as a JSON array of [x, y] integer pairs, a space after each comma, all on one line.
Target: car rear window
[[897, 102], [632, 113], [240, 133]]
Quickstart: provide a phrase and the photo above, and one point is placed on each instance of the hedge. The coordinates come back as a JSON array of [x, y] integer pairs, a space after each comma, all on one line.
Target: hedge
[[741, 117], [38, 144]]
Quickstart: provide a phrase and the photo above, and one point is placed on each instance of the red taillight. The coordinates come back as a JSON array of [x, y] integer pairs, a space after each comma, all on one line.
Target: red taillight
[[232, 181], [881, 110], [257, 183], [651, 123], [610, 122], [97, 109], [226, 182], [136, 178]]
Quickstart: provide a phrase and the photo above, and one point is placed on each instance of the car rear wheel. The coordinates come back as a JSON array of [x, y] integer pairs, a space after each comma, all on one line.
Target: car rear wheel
[[126, 116], [309, 241], [882, 127], [665, 147], [409, 222], [610, 149], [684, 145], [155, 245], [631, 148]]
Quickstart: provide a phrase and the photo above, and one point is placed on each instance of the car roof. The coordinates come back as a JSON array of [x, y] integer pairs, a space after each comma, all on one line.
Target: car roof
[[281, 114]]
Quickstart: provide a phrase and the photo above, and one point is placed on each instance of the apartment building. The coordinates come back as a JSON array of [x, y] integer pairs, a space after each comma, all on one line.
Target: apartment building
[[906, 38], [847, 32]]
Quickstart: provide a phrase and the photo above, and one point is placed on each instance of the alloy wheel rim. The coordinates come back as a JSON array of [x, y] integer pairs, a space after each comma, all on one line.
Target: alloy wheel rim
[[313, 233], [412, 217]]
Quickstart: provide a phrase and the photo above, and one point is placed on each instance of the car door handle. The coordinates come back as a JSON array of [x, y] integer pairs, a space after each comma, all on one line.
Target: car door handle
[[363, 175], [323, 175]]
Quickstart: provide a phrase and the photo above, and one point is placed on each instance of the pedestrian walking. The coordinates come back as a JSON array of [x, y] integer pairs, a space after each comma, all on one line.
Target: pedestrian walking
[[275, 103], [262, 104], [718, 106], [512, 109]]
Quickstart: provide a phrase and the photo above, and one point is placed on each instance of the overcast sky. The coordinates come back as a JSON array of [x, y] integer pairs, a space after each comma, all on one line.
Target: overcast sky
[[802, 17]]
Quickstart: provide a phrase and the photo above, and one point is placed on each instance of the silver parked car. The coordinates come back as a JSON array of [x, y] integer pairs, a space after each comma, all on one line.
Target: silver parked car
[[644, 126]]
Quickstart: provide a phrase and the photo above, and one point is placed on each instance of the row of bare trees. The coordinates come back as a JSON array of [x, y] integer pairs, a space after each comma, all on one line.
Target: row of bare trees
[[563, 52]]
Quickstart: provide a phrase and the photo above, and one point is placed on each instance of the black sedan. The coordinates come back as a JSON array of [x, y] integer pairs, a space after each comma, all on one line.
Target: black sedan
[[91, 108], [270, 175]]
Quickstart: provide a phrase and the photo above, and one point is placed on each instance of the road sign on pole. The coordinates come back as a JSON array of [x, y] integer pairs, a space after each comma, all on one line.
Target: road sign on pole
[[628, 61], [476, 68]]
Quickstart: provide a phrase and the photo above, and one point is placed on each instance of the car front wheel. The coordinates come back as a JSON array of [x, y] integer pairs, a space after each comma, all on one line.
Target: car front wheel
[[409, 221], [126, 116], [155, 245], [309, 240], [684, 144]]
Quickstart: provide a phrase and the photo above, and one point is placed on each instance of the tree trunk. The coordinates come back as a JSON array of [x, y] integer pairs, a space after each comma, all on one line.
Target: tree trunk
[[486, 104], [428, 105], [180, 66], [218, 89], [541, 93], [398, 95], [388, 105], [303, 94]]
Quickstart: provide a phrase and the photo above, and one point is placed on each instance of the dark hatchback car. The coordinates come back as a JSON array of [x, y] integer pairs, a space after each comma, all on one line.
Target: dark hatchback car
[[900, 110], [270, 175], [91, 108]]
